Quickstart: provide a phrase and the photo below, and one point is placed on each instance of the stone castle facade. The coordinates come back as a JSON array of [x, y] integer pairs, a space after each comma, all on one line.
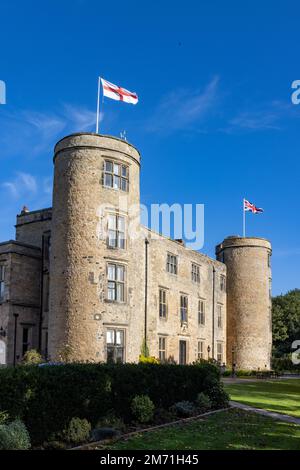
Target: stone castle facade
[[77, 287]]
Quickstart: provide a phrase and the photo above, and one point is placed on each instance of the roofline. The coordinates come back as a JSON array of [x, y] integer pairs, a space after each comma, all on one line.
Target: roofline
[[98, 135], [15, 242], [34, 212]]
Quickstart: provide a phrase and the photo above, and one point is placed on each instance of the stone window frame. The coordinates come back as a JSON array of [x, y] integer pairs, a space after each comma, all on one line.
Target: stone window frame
[[172, 263], [163, 303], [116, 281], [195, 273], [115, 346], [184, 308], [162, 347], [201, 312], [2, 281], [222, 283], [200, 350], [122, 178], [220, 315], [117, 230], [220, 352]]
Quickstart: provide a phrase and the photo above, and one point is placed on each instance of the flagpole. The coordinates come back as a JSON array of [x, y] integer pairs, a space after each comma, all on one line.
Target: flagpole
[[98, 107], [244, 219]]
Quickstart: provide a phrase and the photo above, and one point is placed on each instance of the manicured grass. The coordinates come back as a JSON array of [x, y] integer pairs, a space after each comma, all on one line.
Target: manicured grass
[[282, 396], [233, 430]]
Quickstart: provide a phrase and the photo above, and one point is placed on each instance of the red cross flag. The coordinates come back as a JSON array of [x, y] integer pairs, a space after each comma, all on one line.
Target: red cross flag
[[118, 93]]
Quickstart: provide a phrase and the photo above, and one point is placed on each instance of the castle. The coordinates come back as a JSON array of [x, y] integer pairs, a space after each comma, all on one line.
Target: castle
[[75, 286]]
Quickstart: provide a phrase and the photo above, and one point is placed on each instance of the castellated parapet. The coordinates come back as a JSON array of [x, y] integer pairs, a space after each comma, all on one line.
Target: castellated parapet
[[249, 322], [79, 251]]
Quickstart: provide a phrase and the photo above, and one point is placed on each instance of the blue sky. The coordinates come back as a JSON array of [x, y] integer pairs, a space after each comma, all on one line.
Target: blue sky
[[214, 123]]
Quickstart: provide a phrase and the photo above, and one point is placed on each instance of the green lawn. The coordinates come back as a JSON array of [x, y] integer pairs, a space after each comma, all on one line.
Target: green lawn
[[282, 396], [233, 430]]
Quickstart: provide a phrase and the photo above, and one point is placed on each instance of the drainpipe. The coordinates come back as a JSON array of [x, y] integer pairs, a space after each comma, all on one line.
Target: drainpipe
[[213, 314], [41, 297], [146, 291], [15, 338]]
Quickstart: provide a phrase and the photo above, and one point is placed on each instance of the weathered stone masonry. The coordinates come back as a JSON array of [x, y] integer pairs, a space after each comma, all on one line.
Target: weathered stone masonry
[[68, 292]]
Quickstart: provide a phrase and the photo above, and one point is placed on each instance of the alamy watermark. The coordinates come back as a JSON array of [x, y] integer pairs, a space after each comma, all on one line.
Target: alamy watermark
[[2, 92], [295, 96], [176, 221], [296, 353]]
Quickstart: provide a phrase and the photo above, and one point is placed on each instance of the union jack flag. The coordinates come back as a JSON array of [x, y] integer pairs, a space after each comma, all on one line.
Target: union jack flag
[[248, 206]]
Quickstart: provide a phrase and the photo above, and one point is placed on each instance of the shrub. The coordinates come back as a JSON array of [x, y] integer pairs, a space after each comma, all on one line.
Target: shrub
[[3, 417], [77, 431], [99, 434], [110, 421], [184, 409], [217, 395], [32, 357], [142, 408], [162, 416], [89, 390], [203, 402], [14, 436], [148, 360]]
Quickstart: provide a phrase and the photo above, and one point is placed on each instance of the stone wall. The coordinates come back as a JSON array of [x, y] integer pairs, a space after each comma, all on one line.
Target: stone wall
[[20, 307], [249, 322]]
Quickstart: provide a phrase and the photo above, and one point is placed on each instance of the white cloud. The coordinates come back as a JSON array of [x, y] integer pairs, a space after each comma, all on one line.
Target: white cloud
[[183, 108], [22, 184]]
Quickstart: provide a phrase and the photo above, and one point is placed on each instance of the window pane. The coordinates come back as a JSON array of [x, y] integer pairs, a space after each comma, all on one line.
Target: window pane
[[108, 180], [112, 238], [120, 337], [121, 224], [108, 166], [111, 272], [116, 169], [124, 184], [112, 222], [120, 292], [116, 182], [120, 273], [111, 291], [110, 354], [110, 337], [121, 240], [124, 170], [119, 354]]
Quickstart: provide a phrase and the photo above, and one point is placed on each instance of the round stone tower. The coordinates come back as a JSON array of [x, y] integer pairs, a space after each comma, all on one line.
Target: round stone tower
[[249, 317], [94, 175]]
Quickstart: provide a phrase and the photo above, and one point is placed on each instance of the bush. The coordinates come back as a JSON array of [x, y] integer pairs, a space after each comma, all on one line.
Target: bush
[[77, 431], [203, 402], [142, 408], [285, 363], [148, 360], [89, 390], [218, 397], [32, 357], [110, 421], [183, 409], [3, 417], [14, 436]]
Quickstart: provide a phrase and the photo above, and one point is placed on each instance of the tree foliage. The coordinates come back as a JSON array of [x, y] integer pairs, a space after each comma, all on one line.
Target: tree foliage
[[286, 321]]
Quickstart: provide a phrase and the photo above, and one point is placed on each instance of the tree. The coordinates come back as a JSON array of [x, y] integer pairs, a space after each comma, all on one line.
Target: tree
[[285, 321]]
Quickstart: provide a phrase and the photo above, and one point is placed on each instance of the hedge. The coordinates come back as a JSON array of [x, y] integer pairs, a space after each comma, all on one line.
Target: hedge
[[285, 364], [47, 398]]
